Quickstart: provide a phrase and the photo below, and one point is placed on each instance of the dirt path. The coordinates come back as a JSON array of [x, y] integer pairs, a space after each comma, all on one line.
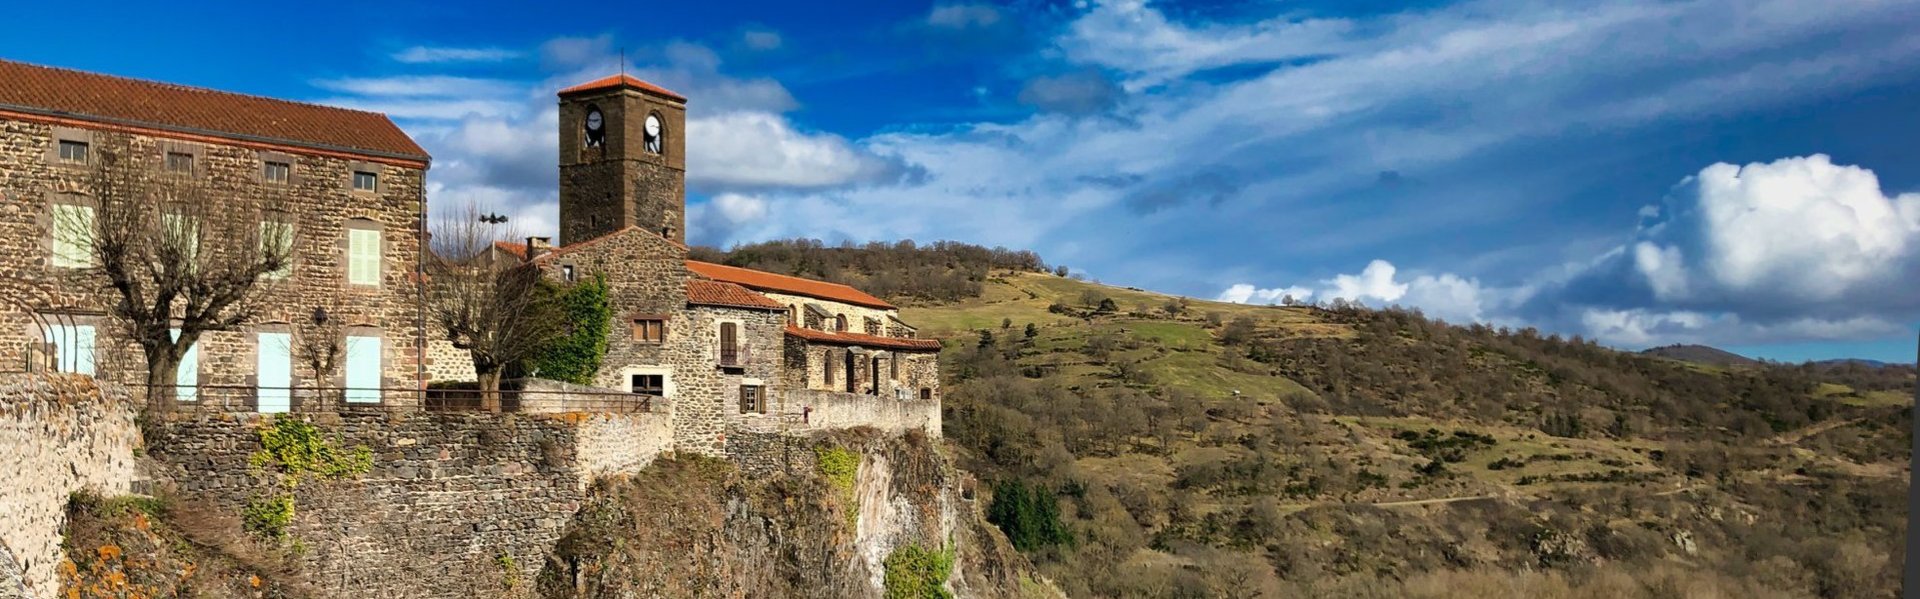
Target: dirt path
[[1435, 501], [1795, 436]]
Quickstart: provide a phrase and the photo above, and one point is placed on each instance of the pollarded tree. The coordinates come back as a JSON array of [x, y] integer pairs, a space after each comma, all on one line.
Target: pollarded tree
[[487, 301], [175, 256]]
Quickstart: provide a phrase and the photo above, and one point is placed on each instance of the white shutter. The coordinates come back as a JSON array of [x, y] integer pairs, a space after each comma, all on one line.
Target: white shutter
[[72, 348], [187, 381], [72, 235], [363, 369], [363, 257], [273, 371]]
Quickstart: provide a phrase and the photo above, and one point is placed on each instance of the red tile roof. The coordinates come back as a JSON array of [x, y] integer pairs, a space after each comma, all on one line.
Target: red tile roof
[[863, 340], [622, 80], [766, 281], [715, 293], [65, 95]]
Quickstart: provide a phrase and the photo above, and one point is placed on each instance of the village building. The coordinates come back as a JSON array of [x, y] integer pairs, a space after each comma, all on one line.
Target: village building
[[726, 347], [355, 203], [720, 348]]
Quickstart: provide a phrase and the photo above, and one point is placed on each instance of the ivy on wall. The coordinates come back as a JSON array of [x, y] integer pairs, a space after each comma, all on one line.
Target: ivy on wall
[[575, 356], [291, 450]]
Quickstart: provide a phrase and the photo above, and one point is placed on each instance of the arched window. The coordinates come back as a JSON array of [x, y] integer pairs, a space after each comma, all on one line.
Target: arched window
[[840, 323], [826, 358]]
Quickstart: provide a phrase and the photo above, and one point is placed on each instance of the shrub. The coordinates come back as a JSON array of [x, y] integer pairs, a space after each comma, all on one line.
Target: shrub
[[917, 573]]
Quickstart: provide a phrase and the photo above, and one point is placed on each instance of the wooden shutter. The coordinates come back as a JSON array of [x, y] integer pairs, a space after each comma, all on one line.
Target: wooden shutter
[[729, 343], [363, 369], [363, 257]]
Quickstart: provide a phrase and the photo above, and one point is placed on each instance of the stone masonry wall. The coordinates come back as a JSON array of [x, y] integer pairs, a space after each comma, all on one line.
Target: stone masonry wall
[[449, 494], [323, 204], [58, 434], [448, 363]]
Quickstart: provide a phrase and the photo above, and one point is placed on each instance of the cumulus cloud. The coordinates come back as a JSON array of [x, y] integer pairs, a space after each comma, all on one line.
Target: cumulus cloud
[[723, 216], [758, 149], [1445, 296]]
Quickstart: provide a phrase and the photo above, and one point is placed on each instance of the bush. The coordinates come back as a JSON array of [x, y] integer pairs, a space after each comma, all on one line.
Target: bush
[[916, 573]]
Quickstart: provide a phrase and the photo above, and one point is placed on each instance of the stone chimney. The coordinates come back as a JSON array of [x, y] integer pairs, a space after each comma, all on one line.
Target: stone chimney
[[538, 245]]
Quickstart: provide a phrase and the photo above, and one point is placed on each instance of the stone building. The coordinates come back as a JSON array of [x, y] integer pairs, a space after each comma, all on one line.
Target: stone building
[[355, 200], [728, 348]]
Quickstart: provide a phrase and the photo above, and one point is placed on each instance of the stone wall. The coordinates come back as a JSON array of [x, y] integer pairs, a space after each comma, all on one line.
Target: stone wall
[[58, 434], [449, 494], [321, 200], [448, 363], [833, 410]]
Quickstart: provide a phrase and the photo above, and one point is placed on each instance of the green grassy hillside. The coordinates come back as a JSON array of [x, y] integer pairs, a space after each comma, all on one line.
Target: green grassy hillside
[[1206, 449]]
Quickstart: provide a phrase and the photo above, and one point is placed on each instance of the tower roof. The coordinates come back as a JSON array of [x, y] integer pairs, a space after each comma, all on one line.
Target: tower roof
[[622, 81]]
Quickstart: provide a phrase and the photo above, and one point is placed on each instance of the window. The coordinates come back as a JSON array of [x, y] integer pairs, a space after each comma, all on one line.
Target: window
[[276, 239], [826, 370], [363, 256], [649, 384], [72, 347], [893, 363], [277, 172], [753, 399], [566, 272], [179, 162], [729, 344], [363, 369], [73, 151], [926, 393], [873, 326], [183, 235], [650, 330], [72, 235], [365, 181], [840, 323], [187, 381], [273, 372]]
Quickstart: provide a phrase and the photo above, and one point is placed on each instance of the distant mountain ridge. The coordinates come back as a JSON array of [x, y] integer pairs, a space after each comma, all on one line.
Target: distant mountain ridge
[[1700, 354]]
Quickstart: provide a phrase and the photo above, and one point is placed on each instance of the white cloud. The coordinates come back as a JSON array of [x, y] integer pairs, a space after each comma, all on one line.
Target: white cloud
[[1129, 36], [1445, 296], [417, 86], [757, 149], [432, 55], [761, 39], [963, 16]]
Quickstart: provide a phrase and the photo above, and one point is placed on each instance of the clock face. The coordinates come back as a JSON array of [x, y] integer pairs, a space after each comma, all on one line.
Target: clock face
[[653, 133], [596, 128]]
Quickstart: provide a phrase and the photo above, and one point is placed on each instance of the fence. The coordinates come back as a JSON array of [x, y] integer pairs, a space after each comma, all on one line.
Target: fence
[[240, 398]]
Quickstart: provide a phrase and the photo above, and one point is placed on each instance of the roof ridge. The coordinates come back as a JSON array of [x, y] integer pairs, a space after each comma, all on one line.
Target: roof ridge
[[195, 88]]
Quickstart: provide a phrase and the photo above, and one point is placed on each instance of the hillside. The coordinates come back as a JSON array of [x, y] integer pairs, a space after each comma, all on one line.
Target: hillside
[[1192, 448], [1700, 354]]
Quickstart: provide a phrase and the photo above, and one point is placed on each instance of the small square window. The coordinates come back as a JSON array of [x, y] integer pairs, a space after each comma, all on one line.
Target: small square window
[[649, 330], [365, 181], [278, 172], [566, 272], [649, 384], [753, 399], [73, 151], [179, 162]]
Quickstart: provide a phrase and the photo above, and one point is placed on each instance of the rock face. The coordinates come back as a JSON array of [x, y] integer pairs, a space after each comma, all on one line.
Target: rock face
[[699, 527], [60, 434]]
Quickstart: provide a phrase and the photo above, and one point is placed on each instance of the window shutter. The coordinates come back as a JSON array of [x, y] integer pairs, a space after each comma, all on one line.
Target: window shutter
[[187, 380], [729, 343], [363, 257], [72, 235], [363, 369]]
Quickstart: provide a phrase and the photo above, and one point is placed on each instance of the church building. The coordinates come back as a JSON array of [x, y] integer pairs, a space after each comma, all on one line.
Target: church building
[[724, 346]]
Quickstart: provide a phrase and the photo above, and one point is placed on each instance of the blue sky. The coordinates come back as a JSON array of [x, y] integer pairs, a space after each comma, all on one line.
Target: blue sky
[[1732, 173]]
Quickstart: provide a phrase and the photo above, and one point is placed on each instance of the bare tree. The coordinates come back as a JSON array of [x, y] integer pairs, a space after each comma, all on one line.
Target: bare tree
[[487, 302], [321, 348], [173, 252]]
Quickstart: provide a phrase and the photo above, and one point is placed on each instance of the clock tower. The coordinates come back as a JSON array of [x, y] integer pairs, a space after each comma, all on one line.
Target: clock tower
[[623, 159]]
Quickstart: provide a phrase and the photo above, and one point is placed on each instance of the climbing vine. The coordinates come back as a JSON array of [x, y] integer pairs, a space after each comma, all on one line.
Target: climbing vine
[[575, 356], [913, 572], [291, 450]]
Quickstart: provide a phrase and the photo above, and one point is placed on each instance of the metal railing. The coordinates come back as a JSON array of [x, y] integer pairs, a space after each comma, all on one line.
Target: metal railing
[[243, 398]]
